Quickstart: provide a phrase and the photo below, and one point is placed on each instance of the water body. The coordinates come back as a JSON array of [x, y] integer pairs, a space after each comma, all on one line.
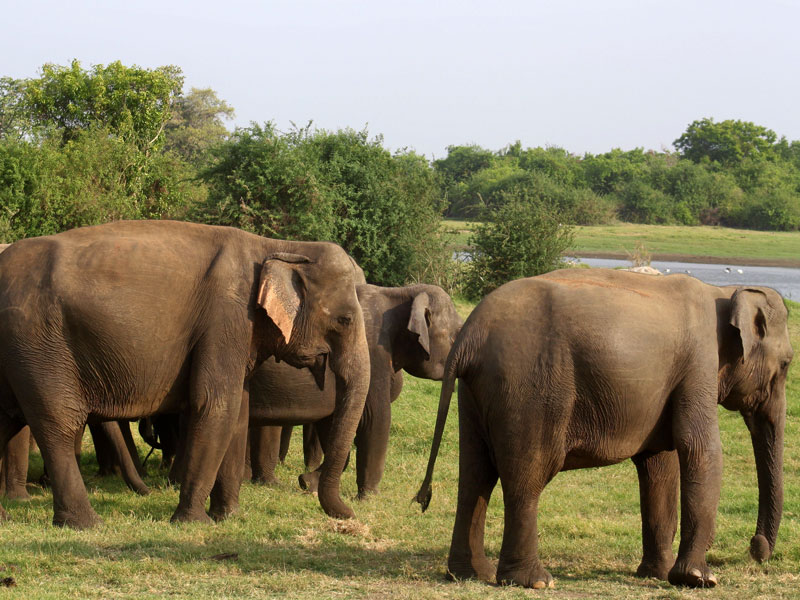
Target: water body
[[785, 281]]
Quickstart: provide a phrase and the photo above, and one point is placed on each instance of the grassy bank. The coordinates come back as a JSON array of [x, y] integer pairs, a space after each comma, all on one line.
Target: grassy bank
[[282, 545], [668, 241]]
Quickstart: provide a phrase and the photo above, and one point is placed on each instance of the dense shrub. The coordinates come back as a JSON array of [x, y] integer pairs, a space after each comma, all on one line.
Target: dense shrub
[[521, 237], [338, 186], [50, 186]]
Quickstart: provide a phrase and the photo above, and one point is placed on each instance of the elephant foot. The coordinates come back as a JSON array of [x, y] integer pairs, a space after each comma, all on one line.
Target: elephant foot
[[309, 481], [3, 515], [696, 575], [759, 548], [185, 516], [142, 490], [266, 480], [534, 576], [655, 568], [365, 493], [82, 520], [475, 568], [18, 494], [220, 514]]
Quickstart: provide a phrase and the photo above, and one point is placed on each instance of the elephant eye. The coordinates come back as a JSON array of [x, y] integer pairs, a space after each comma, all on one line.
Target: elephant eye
[[344, 320]]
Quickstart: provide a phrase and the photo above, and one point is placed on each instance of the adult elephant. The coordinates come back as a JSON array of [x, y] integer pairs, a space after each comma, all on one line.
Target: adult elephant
[[129, 319], [408, 328], [584, 368]]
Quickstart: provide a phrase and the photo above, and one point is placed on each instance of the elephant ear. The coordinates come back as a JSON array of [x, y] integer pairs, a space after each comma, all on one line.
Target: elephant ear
[[280, 290], [749, 315], [420, 321]]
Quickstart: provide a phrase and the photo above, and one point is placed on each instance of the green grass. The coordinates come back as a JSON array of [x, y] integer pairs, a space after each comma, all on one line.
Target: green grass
[[282, 544], [621, 239]]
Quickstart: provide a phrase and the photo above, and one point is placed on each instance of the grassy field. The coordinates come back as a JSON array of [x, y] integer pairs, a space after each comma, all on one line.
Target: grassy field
[[621, 239], [282, 545]]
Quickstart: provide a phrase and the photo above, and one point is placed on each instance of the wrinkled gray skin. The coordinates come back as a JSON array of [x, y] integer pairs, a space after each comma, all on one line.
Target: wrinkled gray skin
[[114, 448], [584, 368], [130, 319], [409, 328]]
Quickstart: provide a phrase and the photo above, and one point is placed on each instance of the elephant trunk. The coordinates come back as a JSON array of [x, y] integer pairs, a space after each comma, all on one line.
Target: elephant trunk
[[766, 432], [351, 370]]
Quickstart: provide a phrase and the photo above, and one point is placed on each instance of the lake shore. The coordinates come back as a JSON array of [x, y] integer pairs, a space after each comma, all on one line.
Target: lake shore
[[745, 261]]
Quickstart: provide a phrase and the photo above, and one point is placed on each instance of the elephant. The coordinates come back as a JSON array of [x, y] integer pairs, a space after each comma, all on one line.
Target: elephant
[[114, 448], [408, 328], [134, 318], [583, 368]]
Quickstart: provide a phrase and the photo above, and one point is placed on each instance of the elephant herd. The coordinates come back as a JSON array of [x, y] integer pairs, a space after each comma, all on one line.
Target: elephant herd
[[216, 338]]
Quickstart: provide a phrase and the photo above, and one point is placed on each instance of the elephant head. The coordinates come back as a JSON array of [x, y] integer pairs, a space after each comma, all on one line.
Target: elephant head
[[755, 354], [433, 325], [311, 300]]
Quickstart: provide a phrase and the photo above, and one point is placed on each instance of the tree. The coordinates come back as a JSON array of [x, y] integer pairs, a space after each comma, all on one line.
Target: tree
[[197, 124], [131, 102], [522, 237], [726, 142]]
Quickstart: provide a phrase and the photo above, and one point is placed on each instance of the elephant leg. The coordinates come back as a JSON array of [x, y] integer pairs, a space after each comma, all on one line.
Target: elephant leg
[[56, 436], [9, 428], [171, 433], [659, 475], [312, 447], [103, 450], [213, 416], [177, 470], [225, 493], [79, 444], [372, 441], [14, 471], [247, 475], [112, 434], [265, 442], [286, 438], [133, 451], [477, 478], [309, 481], [695, 432]]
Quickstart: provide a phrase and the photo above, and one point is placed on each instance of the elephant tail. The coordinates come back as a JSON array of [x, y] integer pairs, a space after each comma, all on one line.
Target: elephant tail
[[451, 372]]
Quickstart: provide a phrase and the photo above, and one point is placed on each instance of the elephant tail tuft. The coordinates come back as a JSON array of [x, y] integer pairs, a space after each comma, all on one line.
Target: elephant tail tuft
[[424, 495]]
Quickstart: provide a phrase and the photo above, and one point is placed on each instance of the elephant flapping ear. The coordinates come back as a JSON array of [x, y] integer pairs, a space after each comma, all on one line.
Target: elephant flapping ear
[[280, 290]]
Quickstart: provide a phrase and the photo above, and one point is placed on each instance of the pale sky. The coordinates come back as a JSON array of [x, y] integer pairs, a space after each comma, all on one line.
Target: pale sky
[[586, 75]]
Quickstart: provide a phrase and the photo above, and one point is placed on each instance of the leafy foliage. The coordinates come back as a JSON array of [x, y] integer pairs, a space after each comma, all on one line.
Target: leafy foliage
[[197, 125], [338, 186], [727, 142], [522, 237]]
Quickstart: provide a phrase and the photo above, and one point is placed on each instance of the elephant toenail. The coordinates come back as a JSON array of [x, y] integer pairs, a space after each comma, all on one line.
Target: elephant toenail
[[696, 573], [539, 585], [551, 584]]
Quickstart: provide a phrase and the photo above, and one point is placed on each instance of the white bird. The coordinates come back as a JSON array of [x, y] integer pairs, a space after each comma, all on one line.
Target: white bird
[[666, 270], [727, 269], [688, 271], [739, 271]]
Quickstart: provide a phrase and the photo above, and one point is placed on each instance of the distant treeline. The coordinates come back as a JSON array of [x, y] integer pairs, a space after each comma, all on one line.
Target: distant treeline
[[84, 146], [730, 173]]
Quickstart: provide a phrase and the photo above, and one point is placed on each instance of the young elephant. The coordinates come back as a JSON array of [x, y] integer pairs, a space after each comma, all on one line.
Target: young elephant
[[114, 448], [584, 368], [410, 328], [130, 319]]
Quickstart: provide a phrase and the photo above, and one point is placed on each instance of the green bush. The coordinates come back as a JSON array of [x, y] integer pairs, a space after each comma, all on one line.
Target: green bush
[[338, 186], [521, 237]]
